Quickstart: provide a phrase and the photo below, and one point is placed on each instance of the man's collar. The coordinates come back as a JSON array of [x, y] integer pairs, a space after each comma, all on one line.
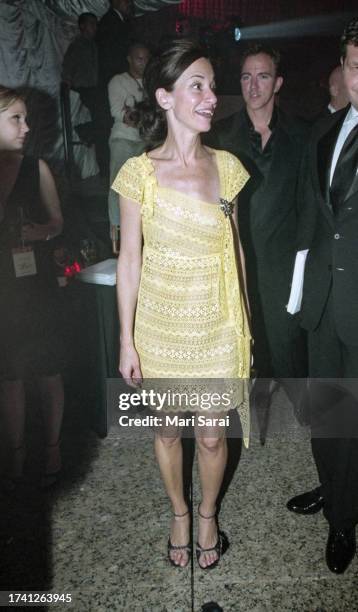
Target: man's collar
[[352, 114], [273, 120]]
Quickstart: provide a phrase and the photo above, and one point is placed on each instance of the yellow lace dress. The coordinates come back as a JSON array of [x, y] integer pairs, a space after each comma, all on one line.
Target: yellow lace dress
[[190, 319]]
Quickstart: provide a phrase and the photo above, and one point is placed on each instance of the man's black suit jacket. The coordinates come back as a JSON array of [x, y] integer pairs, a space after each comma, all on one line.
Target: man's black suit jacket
[[267, 207], [267, 212], [332, 262], [113, 39]]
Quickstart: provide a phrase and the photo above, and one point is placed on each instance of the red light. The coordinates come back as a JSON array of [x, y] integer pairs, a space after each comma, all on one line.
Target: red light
[[72, 270]]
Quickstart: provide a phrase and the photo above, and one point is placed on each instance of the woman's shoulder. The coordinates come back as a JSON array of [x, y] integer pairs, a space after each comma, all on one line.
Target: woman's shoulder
[[226, 158], [232, 171], [41, 163], [140, 165], [132, 175], [227, 162]]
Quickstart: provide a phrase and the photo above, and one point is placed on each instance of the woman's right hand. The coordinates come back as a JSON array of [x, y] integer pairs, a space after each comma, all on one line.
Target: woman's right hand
[[129, 366]]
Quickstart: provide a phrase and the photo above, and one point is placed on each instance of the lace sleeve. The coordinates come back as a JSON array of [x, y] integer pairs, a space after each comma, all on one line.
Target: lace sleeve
[[235, 174], [129, 180]]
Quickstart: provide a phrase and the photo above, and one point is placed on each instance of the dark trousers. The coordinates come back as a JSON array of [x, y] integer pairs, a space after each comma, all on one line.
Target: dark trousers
[[280, 351], [334, 419], [280, 343]]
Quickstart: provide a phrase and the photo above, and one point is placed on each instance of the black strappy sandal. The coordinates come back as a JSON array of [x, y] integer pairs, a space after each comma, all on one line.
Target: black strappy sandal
[[220, 547], [186, 547]]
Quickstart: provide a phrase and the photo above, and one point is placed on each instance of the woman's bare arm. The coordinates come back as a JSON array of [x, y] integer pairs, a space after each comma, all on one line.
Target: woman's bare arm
[[128, 278], [51, 203]]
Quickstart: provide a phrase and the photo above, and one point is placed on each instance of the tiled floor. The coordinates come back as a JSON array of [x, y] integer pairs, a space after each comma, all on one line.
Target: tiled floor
[[102, 535]]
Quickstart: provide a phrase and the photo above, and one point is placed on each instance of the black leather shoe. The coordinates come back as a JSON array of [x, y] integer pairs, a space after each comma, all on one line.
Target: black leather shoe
[[341, 548], [307, 503]]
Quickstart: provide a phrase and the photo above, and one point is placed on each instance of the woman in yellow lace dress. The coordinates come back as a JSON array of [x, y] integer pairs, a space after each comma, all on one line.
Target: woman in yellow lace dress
[[182, 310]]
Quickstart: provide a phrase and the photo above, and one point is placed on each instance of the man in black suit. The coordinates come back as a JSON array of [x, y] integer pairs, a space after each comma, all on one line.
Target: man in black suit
[[330, 298], [114, 34], [113, 38], [270, 145]]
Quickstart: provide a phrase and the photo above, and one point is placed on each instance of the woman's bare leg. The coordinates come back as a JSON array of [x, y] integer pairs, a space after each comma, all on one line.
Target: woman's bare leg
[[52, 396], [169, 454], [212, 458]]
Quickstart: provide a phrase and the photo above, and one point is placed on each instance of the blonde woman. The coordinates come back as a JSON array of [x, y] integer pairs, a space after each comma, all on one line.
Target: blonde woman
[[30, 216]]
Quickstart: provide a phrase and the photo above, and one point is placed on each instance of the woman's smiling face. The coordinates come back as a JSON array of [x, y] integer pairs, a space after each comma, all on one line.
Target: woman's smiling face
[[192, 102]]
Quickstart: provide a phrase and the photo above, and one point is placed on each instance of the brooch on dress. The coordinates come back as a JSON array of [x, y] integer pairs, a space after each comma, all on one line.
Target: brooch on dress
[[227, 207]]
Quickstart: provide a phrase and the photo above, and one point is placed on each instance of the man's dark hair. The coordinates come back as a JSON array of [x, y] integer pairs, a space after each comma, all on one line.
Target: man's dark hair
[[85, 17], [349, 37], [260, 48]]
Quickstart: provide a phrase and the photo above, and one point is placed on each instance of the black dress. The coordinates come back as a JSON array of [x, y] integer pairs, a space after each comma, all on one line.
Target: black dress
[[30, 337]]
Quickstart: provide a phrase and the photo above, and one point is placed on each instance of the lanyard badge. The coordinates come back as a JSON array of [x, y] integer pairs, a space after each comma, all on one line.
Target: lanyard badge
[[23, 257]]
